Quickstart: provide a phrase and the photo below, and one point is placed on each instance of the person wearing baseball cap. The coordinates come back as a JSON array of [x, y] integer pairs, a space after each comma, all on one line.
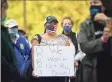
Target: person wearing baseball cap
[[12, 27], [49, 38], [20, 41], [49, 20], [50, 24]]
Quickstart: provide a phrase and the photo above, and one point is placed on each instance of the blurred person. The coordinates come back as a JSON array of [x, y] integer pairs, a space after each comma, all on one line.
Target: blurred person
[[26, 36], [9, 72], [110, 40], [27, 40], [108, 60], [94, 42], [108, 6], [50, 38], [20, 41], [108, 12], [21, 31], [21, 49], [67, 25]]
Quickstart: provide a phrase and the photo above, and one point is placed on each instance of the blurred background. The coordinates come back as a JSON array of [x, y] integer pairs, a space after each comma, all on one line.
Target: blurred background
[[30, 14]]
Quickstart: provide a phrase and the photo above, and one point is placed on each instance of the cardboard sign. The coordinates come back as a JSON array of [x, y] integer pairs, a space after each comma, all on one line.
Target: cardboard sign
[[53, 61]]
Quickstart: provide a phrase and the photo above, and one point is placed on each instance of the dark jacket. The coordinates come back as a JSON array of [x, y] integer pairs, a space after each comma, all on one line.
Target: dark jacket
[[110, 42], [23, 45], [8, 61], [89, 45]]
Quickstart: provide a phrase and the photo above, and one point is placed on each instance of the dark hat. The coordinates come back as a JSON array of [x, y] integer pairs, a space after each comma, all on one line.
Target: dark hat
[[50, 19]]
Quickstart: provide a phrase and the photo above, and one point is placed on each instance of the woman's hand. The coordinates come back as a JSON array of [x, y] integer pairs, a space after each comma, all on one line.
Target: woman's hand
[[33, 74], [100, 17], [76, 63], [67, 43]]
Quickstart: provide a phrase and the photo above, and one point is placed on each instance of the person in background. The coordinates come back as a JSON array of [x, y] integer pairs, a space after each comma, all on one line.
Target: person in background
[[108, 12], [67, 25], [108, 5], [21, 31], [9, 72], [93, 41], [110, 41], [108, 59], [26, 36], [27, 40], [50, 38], [20, 41]]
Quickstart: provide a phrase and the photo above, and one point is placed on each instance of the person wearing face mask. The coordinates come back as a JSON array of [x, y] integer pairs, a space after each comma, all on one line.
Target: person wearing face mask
[[108, 28], [49, 38], [20, 41], [67, 25], [9, 72], [21, 31], [94, 42]]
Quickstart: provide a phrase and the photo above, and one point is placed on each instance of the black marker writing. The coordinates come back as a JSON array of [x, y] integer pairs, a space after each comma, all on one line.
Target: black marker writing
[[55, 50]]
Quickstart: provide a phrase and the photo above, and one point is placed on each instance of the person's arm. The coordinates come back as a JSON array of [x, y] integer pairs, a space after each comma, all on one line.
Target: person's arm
[[88, 46], [80, 55]]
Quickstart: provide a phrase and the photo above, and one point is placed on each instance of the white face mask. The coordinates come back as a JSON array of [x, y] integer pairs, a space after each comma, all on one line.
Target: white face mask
[[13, 31]]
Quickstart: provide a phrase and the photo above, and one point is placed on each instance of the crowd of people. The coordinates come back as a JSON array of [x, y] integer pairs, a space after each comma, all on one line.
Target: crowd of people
[[92, 47]]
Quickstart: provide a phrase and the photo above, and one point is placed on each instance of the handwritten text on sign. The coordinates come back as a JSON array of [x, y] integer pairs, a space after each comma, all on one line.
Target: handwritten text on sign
[[53, 61]]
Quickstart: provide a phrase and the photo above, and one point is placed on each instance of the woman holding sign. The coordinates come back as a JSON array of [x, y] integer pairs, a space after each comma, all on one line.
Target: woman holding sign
[[49, 38]]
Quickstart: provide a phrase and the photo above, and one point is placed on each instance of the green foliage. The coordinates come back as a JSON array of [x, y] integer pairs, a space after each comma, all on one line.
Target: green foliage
[[38, 10]]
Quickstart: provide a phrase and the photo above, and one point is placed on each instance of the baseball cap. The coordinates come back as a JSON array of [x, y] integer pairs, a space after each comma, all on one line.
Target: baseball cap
[[10, 23], [50, 19]]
